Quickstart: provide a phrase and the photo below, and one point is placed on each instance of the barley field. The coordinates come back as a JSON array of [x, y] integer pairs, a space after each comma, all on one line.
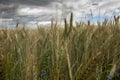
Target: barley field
[[81, 52]]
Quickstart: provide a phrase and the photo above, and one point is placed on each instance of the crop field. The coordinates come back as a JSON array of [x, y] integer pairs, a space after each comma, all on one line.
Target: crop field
[[81, 52]]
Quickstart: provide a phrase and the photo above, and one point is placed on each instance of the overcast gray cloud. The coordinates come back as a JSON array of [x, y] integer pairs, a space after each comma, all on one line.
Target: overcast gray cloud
[[31, 11], [7, 10], [28, 2], [23, 11]]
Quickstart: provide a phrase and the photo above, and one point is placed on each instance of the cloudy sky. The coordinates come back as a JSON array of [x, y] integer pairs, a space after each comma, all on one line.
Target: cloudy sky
[[30, 12]]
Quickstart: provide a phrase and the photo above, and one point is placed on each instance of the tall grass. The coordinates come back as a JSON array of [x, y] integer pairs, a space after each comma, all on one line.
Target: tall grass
[[83, 52]]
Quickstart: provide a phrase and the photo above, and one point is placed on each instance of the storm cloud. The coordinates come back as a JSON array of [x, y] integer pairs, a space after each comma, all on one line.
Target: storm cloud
[[28, 2], [29, 11], [8, 10]]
